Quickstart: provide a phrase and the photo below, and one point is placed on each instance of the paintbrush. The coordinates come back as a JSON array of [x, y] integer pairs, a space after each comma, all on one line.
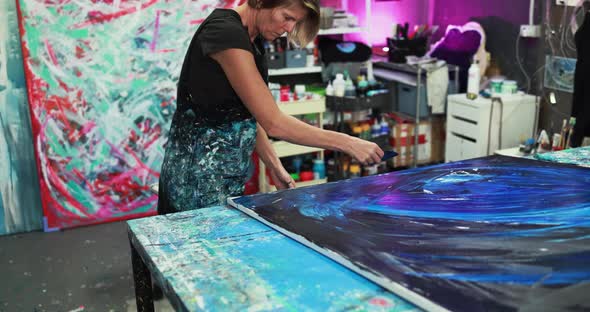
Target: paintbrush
[[563, 134]]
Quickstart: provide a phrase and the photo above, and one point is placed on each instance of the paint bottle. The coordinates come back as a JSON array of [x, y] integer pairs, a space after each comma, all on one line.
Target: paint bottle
[[306, 176], [331, 168], [376, 129], [349, 90], [556, 142], [473, 81], [300, 92], [319, 169], [354, 170], [357, 131], [363, 87], [384, 127], [344, 165], [370, 170], [297, 161], [366, 133], [329, 89], [339, 85]]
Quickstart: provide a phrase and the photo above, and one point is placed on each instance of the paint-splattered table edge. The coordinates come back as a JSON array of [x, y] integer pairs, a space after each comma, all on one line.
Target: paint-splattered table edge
[[576, 156], [363, 294]]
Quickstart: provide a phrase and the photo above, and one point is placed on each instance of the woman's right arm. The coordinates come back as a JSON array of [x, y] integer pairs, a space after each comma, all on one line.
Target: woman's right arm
[[240, 68]]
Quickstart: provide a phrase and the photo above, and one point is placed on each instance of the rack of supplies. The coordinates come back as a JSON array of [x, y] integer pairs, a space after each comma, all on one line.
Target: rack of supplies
[[286, 149], [412, 74]]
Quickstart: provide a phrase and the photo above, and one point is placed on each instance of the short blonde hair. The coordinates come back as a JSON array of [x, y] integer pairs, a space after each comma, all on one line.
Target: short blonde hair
[[306, 30]]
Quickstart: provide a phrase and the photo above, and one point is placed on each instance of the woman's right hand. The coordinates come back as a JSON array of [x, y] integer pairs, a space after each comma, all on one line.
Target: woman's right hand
[[364, 152]]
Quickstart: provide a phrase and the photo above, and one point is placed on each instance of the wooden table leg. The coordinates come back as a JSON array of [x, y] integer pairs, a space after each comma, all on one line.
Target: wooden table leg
[[143, 283]]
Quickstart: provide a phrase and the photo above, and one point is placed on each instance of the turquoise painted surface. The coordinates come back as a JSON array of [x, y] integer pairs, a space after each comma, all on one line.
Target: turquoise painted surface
[[219, 259], [576, 156], [20, 201]]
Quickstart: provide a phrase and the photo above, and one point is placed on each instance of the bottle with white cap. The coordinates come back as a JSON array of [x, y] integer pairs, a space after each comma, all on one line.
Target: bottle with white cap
[[329, 89], [473, 80], [339, 85]]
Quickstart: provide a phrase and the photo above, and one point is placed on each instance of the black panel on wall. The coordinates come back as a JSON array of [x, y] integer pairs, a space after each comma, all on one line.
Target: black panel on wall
[[558, 41]]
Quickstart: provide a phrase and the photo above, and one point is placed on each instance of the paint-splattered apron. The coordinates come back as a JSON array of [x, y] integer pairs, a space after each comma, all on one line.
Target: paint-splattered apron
[[205, 164]]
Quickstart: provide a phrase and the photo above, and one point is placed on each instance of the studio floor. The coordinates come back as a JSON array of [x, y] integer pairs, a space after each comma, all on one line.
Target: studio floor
[[83, 269]]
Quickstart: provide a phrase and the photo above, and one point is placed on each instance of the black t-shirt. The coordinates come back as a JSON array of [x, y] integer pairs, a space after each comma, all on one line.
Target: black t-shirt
[[203, 85]]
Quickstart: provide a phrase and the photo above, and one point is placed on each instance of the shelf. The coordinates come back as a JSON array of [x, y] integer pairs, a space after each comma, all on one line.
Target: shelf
[[348, 103], [272, 188], [339, 31], [303, 107], [294, 71], [286, 149], [312, 182]]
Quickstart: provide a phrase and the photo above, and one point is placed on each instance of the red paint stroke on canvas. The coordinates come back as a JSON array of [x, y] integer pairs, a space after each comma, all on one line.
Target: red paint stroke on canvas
[[97, 17]]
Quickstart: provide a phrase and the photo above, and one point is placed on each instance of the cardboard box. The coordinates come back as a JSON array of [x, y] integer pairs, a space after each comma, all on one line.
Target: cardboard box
[[430, 142]]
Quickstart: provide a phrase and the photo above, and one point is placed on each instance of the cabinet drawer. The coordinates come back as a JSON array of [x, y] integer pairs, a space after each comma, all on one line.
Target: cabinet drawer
[[463, 127], [452, 150], [461, 111], [469, 149], [460, 148]]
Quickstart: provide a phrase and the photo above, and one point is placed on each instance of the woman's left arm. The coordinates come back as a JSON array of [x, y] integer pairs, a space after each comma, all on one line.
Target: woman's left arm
[[266, 152]]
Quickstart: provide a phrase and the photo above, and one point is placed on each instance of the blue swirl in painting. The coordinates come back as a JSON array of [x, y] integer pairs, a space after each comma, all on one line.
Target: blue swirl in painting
[[495, 233]]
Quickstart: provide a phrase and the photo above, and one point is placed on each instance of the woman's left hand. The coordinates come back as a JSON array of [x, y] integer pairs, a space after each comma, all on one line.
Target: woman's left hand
[[282, 179]]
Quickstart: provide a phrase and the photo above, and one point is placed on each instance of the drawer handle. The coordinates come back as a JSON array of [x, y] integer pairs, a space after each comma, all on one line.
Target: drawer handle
[[465, 119], [464, 137]]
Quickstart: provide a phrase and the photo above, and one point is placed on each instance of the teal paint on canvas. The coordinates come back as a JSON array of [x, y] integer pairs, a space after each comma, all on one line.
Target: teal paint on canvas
[[576, 156], [20, 203]]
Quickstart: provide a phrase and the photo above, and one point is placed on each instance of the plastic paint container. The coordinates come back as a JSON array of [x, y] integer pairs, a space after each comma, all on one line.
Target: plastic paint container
[[496, 86], [319, 169], [297, 162], [306, 176], [355, 170], [509, 87]]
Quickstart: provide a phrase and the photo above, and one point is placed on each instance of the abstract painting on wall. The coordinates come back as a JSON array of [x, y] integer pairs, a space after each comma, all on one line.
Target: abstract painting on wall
[[495, 233], [101, 79], [20, 202]]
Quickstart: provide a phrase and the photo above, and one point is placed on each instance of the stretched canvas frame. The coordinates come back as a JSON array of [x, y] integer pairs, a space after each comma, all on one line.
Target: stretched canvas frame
[[101, 80]]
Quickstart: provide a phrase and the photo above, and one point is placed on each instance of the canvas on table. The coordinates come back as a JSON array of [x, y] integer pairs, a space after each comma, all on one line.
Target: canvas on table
[[495, 233]]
